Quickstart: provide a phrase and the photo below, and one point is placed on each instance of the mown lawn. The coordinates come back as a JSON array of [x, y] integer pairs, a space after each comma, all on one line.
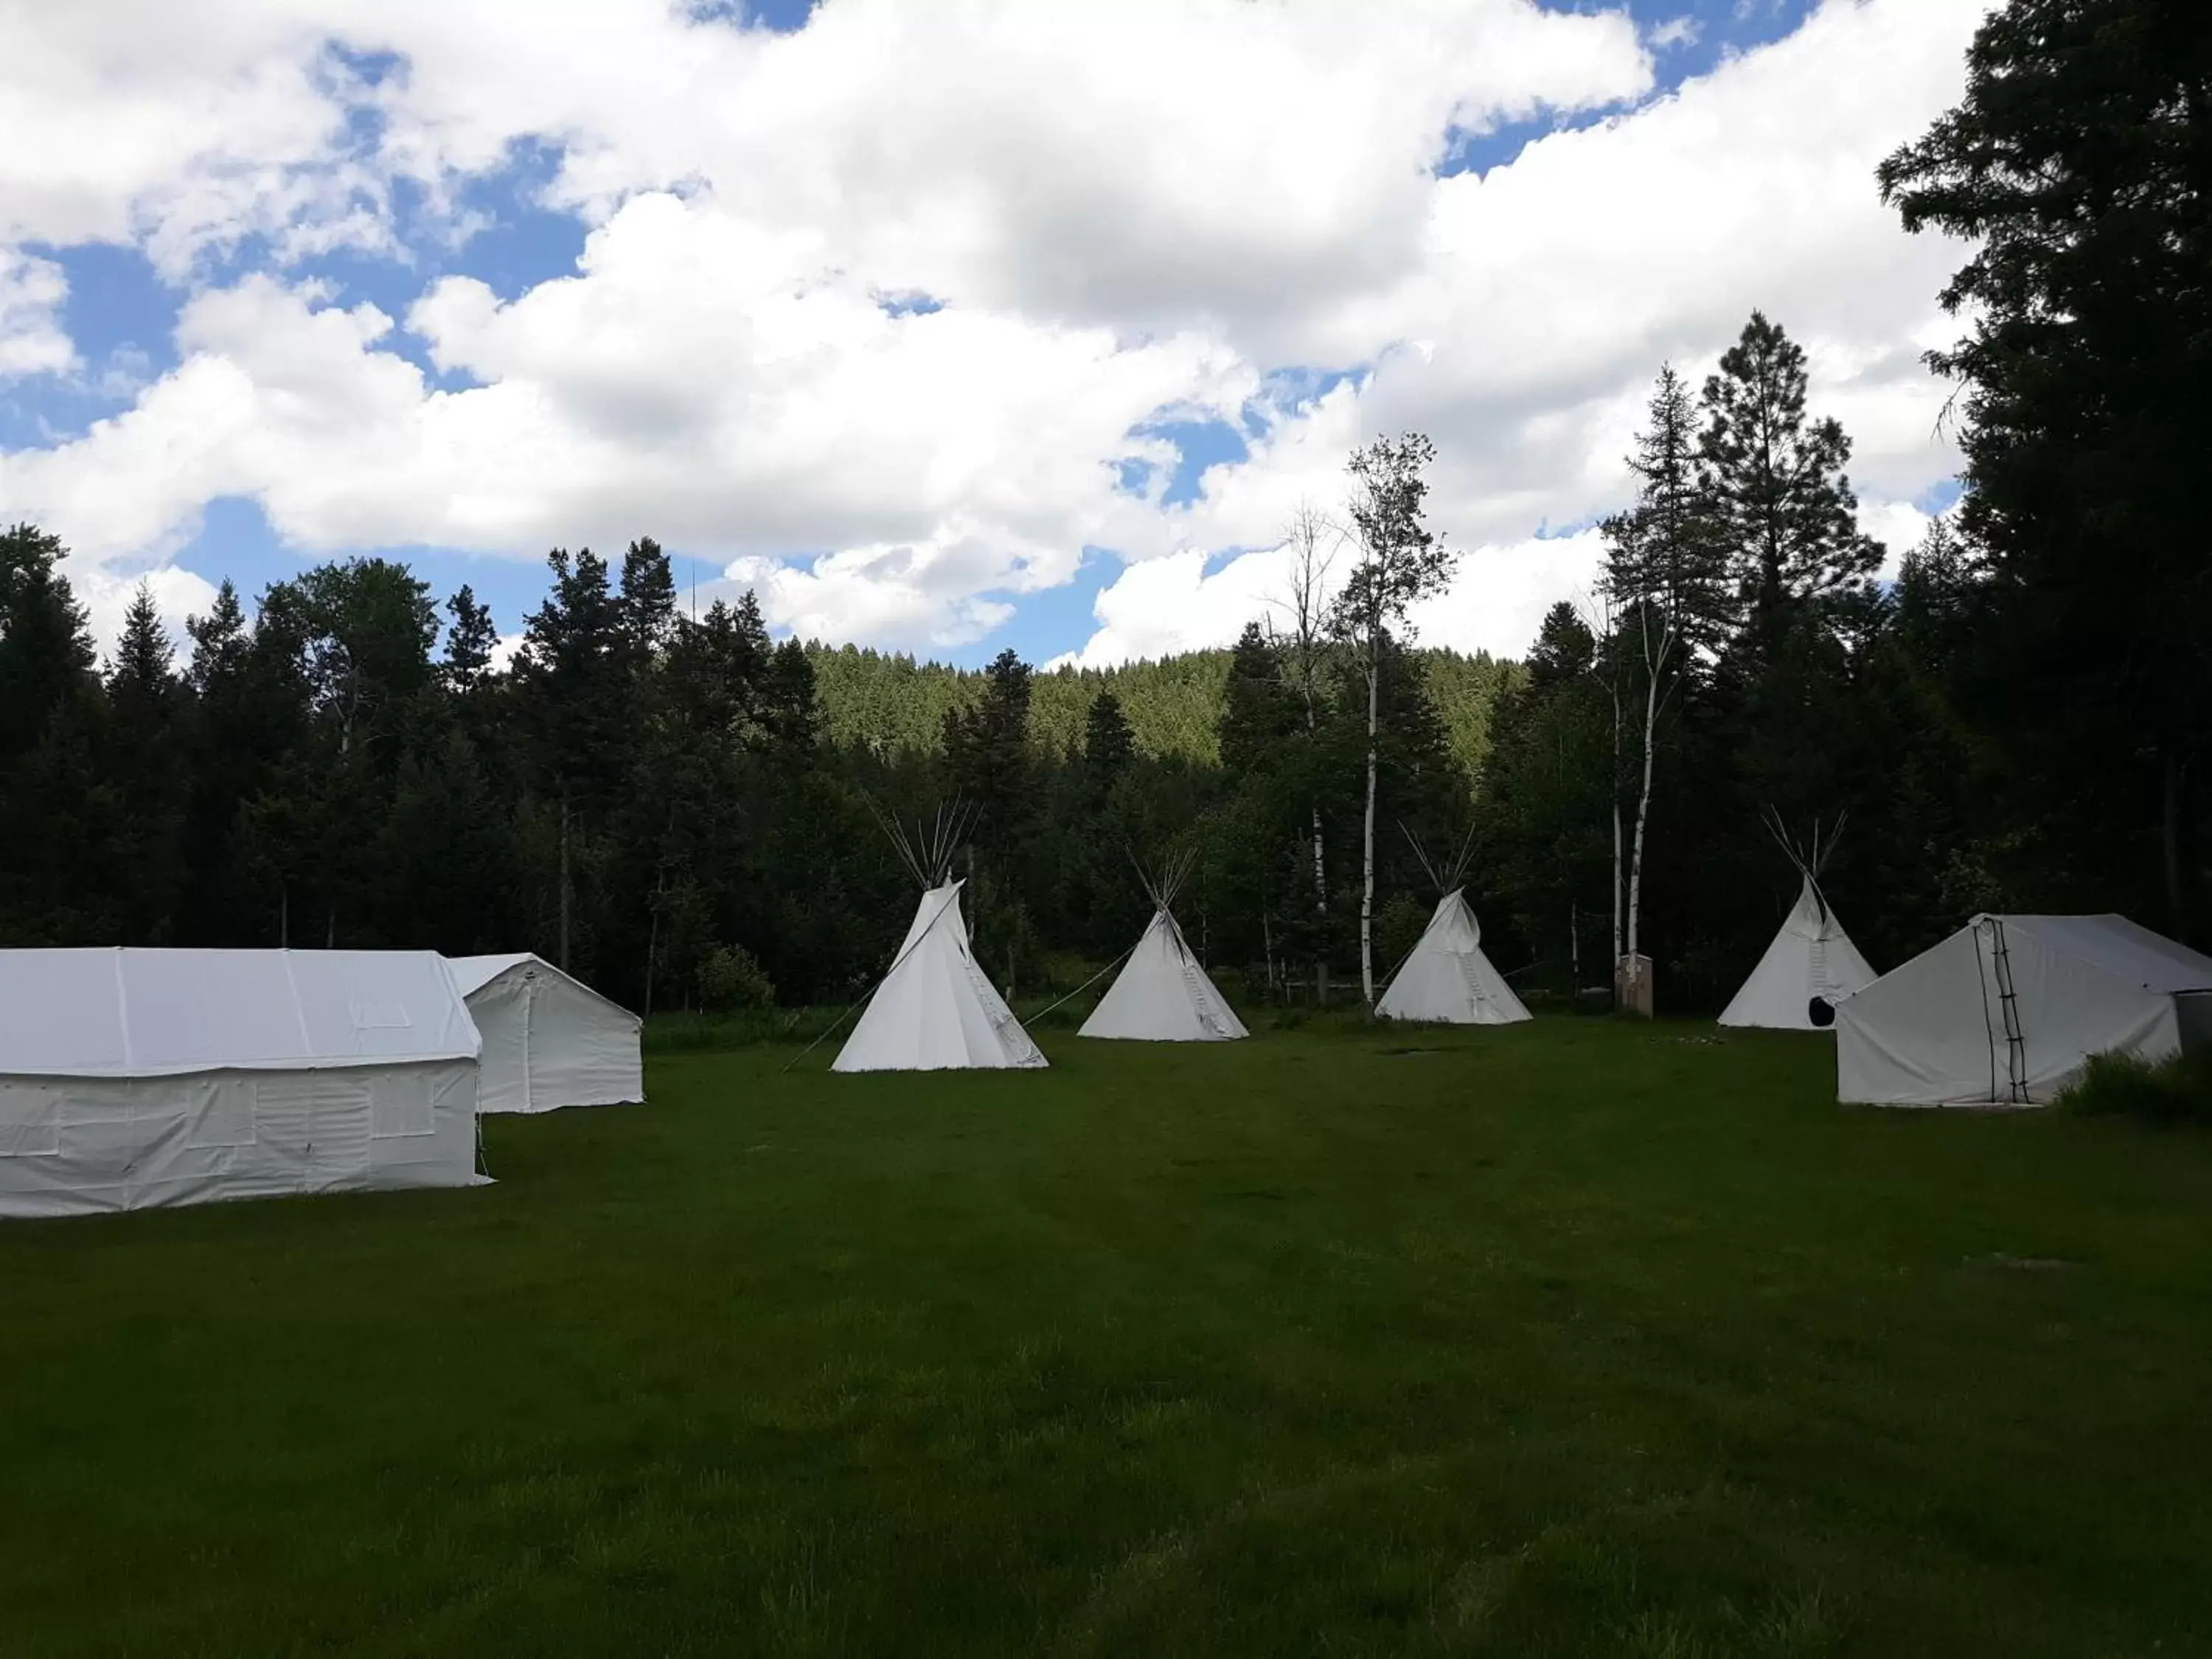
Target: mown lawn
[[1577, 1338]]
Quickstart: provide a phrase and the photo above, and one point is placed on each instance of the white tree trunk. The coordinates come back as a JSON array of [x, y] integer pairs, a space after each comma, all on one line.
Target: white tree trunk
[[1367, 848], [1308, 607], [563, 963], [1643, 812], [1620, 885], [1320, 915], [1613, 795]]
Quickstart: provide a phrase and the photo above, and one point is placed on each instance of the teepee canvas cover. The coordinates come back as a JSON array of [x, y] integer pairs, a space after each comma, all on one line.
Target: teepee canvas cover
[[935, 1010], [549, 1040], [2008, 1009], [1161, 993], [132, 1078], [1446, 978], [1810, 957]]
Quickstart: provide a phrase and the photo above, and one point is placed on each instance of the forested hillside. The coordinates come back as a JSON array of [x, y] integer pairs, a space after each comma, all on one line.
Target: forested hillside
[[887, 702]]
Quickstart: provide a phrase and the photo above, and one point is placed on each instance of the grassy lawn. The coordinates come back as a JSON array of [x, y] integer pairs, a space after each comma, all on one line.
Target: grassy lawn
[[1575, 1339]]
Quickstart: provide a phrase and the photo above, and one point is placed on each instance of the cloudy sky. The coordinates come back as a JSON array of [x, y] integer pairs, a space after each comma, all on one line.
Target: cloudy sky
[[948, 325]]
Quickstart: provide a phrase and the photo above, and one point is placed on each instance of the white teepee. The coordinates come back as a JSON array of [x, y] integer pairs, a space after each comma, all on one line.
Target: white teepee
[[935, 1010], [1446, 977], [1161, 993], [1811, 960]]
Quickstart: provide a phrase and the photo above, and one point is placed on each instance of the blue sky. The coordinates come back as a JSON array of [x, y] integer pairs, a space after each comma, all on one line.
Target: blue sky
[[121, 315]]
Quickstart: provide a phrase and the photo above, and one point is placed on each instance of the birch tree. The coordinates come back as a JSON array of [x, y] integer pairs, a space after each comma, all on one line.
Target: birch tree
[[1665, 590], [1399, 561], [1604, 667], [1314, 543]]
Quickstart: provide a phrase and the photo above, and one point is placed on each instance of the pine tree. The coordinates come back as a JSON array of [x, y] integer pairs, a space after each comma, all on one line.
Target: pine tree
[[573, 679], [1256, 712], [1564, 652], [1256, 857], [46, 649], [1664, 552], [1773, 485], [146, 765], [988, 753], [792, 715], [224, 766], [571, 671], [471, 640], [57, 877], [1665, 583], [441, 857], [1546, 795], [219, 640], [141, 678], [1421, 783], [60, 874], [2074, 168], [1939, 586], [989, 764], [1108, 745], [645, 603], [1401, 561]]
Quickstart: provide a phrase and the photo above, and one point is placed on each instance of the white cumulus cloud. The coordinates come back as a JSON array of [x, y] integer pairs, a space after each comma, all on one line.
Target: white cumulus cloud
[[31, 339], [1126, 213]]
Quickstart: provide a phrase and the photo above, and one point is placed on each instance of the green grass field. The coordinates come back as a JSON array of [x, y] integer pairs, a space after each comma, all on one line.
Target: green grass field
[[1582, 1338]]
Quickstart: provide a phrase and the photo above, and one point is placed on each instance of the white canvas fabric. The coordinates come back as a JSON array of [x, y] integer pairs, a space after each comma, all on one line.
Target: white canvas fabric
[[935, 1010], [549, 1040], [1162, 994], [1448, 979], [2008, 1008], [1810, 957], [130, 1079]]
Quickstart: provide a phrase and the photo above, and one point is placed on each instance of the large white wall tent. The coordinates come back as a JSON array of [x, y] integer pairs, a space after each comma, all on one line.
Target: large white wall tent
[[2008, 1008], [935, 1010], [549, 1040], [130, 1079]]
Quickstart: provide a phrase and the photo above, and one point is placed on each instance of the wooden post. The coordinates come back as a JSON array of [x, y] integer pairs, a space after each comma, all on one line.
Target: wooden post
[[1631, 985]]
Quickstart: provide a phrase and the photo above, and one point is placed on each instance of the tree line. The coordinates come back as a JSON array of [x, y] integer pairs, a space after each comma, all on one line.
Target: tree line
[[887, 700], [685, 812]]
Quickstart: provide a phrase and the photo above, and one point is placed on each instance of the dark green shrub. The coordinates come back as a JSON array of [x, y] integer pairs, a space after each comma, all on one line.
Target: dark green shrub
[[1398, 926], [2176, 1091], [730, 978]]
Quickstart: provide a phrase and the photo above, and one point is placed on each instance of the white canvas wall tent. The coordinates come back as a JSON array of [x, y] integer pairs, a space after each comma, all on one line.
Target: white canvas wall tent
[[132, 1078], [935, 1010], [2008, 1009], [1162, 993], [1811, 960], [549, 1040], [1446, 978]]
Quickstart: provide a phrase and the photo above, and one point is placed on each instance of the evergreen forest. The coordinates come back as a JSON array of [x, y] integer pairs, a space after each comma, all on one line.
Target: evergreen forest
[[685, 812]]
